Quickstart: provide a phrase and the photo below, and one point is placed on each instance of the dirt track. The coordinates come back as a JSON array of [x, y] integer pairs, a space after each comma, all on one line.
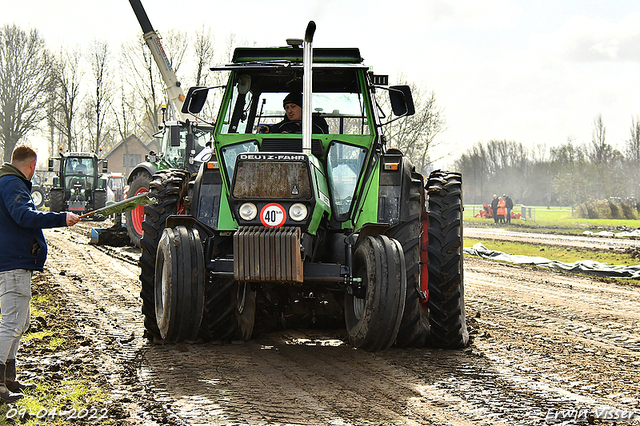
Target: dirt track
[[541, 341]]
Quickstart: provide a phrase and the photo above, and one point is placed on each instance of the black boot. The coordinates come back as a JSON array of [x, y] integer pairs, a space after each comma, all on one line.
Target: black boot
[[10, 378], [7, 396]]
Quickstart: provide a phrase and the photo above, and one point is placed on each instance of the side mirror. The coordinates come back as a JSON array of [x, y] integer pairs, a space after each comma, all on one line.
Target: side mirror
[[50, 164], [105, 166], [174, 135], [401, 100], [194, 102], [244, 84]]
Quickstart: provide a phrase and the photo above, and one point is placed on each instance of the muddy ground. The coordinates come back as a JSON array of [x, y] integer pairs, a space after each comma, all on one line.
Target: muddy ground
[[542, 342]]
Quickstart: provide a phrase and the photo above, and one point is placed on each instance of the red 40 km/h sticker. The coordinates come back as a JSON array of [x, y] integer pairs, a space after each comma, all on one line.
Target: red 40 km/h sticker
[[273, 214]]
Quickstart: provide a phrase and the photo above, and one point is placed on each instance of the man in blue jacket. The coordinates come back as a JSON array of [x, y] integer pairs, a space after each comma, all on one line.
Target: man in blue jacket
[[23, 250]]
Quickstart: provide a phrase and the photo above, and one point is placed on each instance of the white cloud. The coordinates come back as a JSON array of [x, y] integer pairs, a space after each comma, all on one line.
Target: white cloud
[[593, 39]]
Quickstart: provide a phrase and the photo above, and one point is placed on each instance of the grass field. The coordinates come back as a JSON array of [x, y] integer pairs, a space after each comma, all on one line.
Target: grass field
[[556, 220], [559, 218]]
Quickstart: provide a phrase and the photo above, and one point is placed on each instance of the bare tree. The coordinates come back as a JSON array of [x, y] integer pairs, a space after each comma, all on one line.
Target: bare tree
[[144, 77], [204, 55], [68, 79], [633, 158], [633, 143], [25, 76], [607, 161], [415, 135], [99, 103], [51, 112], [601, 151], [138, 73]]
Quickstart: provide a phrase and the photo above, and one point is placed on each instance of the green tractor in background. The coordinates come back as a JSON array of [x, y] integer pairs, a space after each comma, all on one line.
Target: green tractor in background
[[174, 153], [78, 186], [319, 227]]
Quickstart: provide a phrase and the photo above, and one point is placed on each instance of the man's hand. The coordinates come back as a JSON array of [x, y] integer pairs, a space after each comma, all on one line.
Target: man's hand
[[72, 219]]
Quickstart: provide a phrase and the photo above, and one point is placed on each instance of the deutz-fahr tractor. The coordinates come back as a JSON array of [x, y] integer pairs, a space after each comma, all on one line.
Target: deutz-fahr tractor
[[319, 226], [78, 186]]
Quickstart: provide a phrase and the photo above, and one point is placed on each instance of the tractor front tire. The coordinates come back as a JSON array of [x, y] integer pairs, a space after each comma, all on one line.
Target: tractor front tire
[[446, 283], [373, 321], [179, 284], [56, 197], [167, 188], [37, 195], [99, 201], [134, 218]]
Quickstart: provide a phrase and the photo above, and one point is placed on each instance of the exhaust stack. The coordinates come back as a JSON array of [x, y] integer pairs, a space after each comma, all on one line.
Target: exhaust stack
[[307, 66]]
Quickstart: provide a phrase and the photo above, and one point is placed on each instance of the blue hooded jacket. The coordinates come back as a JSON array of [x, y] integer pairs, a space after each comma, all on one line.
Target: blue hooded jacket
[[22, 243]]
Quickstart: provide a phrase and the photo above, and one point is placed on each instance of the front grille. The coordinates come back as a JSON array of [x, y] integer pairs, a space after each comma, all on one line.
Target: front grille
[[264, 254]]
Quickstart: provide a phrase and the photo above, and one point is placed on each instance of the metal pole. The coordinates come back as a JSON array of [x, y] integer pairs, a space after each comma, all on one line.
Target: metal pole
[[307, 66]]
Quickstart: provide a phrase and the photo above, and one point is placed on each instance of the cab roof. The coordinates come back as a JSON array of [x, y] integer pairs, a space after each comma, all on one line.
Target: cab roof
[[294, 54]]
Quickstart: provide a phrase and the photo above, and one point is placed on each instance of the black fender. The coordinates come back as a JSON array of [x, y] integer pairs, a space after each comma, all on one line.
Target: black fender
[[145, 166], [394, 190]]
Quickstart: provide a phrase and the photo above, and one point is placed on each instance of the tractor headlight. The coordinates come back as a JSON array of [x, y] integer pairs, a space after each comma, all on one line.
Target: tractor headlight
[[298, 212], [248, 211]]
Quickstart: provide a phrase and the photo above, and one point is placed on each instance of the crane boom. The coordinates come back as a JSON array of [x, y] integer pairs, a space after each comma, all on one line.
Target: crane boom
[[152, 39]]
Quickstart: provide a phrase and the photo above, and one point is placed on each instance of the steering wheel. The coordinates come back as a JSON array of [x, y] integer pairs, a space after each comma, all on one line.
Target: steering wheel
[[295, 126]]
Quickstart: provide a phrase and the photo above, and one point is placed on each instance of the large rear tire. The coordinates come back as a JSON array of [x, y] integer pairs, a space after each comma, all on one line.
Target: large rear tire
[[446, 283], [99, 201], [179, 284], [56, 197], [373, 321], [414, 328], [167, 188], [134, 218]]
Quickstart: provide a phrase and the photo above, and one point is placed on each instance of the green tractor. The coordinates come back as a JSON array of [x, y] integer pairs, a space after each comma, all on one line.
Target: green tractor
[[173, 153], [320, 224], [78, 186]]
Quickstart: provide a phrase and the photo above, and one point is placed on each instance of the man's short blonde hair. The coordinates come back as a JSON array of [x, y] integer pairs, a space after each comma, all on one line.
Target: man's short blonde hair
[[23, 154]]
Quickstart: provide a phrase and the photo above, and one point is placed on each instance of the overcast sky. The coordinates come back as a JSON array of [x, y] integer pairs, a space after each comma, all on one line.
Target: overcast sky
[[536, 72]]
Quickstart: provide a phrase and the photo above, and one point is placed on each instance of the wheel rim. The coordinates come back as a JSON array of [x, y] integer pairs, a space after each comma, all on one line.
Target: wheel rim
[[164, 293], [37, 198], [137, 214], [358, 307], [241, 297]]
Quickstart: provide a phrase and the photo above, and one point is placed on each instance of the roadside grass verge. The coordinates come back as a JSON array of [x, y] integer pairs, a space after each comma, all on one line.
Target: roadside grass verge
[[559, 219], [561, 254], [51, 355]]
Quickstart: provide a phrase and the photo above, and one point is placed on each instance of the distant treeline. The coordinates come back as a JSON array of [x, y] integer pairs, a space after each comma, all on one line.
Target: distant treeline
[[569, 175]]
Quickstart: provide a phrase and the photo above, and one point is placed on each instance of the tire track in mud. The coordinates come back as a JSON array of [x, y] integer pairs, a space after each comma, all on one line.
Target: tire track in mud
[[573, 337], [103, 294], [292, 377], [542, 340], [582, 241]]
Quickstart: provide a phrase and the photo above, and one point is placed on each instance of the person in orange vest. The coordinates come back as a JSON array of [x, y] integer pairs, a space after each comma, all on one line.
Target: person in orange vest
[[502, 210]]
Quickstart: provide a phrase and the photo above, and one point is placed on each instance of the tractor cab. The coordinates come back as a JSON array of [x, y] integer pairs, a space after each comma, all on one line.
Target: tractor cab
[[176, 151], [78, 186]]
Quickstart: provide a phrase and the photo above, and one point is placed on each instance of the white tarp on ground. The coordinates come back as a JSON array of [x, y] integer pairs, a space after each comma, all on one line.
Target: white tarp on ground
[[625, 234], [583, 266]]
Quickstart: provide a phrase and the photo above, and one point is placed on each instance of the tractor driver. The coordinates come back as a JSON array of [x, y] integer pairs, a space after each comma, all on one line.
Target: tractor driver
[[292, 122]]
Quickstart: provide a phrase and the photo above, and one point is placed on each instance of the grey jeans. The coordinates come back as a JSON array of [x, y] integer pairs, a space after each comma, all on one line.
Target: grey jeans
[[15, 294]]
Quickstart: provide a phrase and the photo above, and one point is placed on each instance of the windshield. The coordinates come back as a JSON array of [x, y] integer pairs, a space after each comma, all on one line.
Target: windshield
[[175, 155], [344, 165], [338, 105], [79, 167]]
